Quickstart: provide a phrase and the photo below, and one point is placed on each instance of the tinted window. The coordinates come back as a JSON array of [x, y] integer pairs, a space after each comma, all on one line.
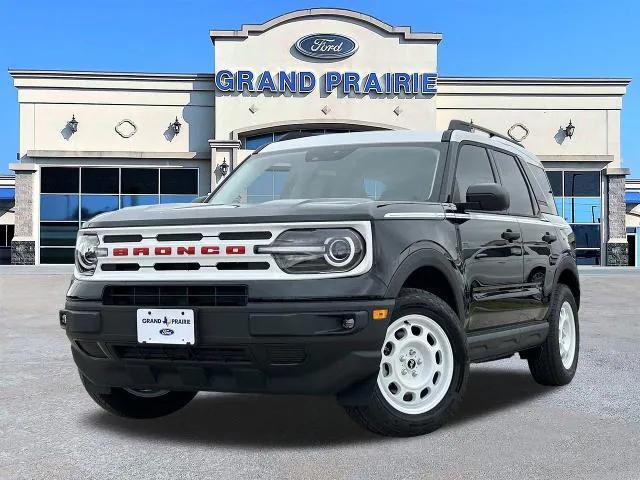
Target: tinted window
[[555, 179], [514, 182], [56, 255], [92, 205], [139, 180], [582, 184], [541, 187], [587, 236], [58, 234], [176, 181], [408, 172], [582, 209], [59, 180], [59, 207], [588, 257], [137, 200], [99, 180], [473, 167]]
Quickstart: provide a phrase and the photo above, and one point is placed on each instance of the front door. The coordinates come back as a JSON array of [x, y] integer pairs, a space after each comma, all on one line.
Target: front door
[[490, 246]]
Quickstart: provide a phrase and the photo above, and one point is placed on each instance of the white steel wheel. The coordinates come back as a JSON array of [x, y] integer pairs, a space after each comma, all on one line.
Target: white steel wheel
[[417, 364], [567, 335]]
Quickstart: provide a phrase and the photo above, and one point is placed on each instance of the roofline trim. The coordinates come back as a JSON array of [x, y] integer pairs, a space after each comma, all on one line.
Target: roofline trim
[[105, 75], [248, 29], [622, 81]]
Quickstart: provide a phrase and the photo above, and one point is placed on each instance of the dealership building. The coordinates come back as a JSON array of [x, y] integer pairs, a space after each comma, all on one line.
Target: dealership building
[[98, 141]]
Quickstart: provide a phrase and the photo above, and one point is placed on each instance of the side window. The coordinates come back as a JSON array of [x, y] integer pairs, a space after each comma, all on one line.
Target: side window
[[473, 167], [514, 182], [542, 188]]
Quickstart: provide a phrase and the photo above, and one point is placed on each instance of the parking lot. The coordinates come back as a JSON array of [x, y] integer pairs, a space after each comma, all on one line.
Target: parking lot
[[508, 426]]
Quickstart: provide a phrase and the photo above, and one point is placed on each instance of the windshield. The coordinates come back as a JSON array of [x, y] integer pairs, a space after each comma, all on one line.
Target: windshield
[[405, 172]]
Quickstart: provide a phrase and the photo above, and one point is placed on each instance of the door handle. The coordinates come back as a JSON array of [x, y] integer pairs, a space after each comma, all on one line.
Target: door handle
[[549, 238], [510, 235]]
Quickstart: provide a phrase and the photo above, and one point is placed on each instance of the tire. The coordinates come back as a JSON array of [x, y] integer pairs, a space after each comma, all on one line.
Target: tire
[[141, 404], [546, 362], [425, 409]]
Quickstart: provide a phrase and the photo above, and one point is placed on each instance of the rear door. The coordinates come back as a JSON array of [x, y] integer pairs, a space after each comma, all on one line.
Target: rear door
[[538, 235], [490, 245]]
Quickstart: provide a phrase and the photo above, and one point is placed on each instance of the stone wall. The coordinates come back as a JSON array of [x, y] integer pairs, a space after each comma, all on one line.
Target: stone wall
[[617, 248], [23, 244]]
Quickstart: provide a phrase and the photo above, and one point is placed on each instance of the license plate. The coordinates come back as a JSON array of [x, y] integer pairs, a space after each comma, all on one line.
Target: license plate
[[163, 325]]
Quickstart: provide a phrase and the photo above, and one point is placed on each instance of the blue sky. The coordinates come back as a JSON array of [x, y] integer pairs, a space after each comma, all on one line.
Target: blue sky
[[490, 38]]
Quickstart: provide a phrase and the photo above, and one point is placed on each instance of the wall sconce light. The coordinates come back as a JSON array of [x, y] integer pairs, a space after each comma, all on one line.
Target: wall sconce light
[[175, 126], [569, 129], [224, 168], [73, 124]]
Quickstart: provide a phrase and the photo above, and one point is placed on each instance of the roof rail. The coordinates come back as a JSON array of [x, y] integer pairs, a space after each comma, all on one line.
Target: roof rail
[[294, 135], [471, 127]]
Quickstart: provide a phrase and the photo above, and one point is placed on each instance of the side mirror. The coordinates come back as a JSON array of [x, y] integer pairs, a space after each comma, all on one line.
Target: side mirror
[[487, 196]]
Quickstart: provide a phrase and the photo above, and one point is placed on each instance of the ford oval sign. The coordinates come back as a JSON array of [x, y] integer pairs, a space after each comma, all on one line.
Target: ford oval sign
[[167, 331], [326, 46]]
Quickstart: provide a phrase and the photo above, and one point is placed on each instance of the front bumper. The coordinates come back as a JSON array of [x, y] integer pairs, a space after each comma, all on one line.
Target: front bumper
[[300, 347]]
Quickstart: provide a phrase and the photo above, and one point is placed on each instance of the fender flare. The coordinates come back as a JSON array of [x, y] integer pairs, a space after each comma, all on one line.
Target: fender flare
[[567, 262], [428, 257]]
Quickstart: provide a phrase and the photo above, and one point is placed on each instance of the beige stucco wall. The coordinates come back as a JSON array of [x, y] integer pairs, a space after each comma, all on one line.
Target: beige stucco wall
[[100, 101], [544, 106], [272, 50]]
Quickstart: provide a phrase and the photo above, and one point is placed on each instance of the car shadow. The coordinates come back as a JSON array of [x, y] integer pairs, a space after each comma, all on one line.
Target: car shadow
[[280, 421]]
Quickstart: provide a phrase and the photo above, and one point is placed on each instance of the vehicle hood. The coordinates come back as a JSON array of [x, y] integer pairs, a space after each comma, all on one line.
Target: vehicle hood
[[276, 211]]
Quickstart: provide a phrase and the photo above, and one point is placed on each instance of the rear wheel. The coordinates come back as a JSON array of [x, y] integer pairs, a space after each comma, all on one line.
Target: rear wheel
[[423, 372], [555, 361], [138, 403]]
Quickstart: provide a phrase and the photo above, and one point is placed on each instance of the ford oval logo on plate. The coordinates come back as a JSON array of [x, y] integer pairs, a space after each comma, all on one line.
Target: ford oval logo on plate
[[326, 46], [166, 331]]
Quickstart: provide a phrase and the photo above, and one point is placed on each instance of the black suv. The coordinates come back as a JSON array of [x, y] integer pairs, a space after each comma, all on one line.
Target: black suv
[[371, 266]]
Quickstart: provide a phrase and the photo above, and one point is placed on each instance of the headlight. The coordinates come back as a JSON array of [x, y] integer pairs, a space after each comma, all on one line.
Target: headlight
[[87, 253], [321, 250]]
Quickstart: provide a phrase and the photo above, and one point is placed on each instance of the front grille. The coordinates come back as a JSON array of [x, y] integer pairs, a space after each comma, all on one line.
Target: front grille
[[215, 354], [178, 295], [286, 354]]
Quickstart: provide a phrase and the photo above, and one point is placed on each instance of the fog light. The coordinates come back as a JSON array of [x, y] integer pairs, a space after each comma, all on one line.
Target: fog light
[[348, 323], [63, 319], [380, 313]]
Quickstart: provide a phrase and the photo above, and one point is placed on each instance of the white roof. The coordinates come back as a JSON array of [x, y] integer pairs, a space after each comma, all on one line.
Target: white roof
[[397, 136], [355, 138]]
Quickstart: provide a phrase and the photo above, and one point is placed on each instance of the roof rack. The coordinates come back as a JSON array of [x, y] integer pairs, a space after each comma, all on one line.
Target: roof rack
[[294, 135], [471, 127]]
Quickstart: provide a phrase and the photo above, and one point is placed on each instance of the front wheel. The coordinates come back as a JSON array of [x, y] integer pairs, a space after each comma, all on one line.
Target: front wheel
[[138, 403], [423, 372]]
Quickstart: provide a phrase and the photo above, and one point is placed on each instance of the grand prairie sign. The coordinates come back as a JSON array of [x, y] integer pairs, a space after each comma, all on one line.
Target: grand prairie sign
[[327, 46]]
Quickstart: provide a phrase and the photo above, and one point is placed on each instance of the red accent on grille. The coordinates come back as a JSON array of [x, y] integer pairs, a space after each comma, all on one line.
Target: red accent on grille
[[141, 251], [235, 250], [186, 250], [210, 250], [120, 252], [163, 251]]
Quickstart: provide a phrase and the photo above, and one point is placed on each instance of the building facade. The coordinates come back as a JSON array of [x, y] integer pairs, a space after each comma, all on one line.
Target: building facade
[[95, 141]]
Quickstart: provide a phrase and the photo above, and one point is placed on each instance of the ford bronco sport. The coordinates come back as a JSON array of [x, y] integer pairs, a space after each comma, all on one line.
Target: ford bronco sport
[[373, 266]]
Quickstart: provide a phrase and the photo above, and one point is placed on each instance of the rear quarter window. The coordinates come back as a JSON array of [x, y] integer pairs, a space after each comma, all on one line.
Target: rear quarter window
[[541, 188]]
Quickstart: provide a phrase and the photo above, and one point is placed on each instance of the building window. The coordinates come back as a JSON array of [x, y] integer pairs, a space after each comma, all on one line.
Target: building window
[[253, 142], [578, 198], [6, 235], [72, 195]]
